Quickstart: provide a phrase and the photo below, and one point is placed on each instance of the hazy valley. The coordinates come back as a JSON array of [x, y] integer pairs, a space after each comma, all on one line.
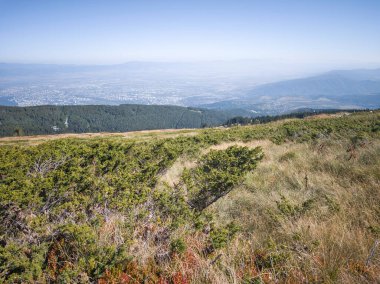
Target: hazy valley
[[216, 85]]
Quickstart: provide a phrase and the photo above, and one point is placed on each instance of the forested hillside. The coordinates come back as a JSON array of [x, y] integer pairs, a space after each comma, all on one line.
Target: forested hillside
[[79, 119], [294, 201]]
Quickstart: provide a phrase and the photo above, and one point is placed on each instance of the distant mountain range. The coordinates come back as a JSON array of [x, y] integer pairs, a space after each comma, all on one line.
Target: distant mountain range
[[335, 89]]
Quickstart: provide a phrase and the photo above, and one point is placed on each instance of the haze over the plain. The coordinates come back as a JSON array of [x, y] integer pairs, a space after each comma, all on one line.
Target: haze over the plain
[[190, 53]]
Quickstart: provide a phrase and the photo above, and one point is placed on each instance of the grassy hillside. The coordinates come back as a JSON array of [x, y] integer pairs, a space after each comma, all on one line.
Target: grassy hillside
[[293, 201], [79, 119]]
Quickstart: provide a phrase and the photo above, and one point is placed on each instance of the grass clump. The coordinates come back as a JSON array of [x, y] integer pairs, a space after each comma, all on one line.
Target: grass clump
[[288, 156]]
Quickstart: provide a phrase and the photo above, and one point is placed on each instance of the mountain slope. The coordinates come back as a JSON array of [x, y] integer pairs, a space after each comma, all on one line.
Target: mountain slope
[[332, 84], [335, 89], [79, 119], [295, 201]]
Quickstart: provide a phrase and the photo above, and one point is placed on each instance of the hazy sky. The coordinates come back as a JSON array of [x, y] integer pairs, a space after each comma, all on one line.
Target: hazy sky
[[110, 31]]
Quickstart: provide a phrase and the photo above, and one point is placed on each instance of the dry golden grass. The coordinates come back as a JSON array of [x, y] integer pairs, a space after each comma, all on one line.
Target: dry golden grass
[[172, 176], [139, 135], [315, 205], [311, 209]]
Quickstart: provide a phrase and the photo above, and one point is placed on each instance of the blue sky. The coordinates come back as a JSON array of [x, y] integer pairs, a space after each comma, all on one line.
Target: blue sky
[[109, 31]]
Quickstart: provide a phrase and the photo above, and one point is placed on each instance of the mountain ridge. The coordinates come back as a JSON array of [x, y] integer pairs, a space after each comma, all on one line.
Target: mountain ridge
[[338, 88]]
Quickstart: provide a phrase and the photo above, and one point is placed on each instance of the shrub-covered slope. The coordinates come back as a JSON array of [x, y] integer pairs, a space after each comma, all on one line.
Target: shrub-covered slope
[[292, 201]]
